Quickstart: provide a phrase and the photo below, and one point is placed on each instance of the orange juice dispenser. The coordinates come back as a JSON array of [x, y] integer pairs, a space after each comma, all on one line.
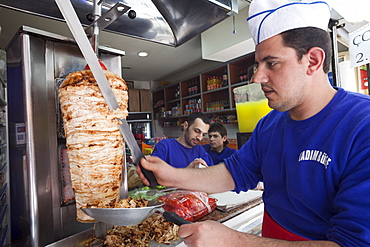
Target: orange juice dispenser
[[251, 105]]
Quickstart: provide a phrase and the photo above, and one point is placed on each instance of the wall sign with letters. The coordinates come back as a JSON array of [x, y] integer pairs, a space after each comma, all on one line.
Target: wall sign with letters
[[359, 46]]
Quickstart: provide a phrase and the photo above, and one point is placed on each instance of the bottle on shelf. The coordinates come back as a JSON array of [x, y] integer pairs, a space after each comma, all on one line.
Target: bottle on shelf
[[241, 76], [190, 88], [196, 87], [199, 105], [226, 104], [177, 93], [193, 87], [245, 75], [224, 78], [209, 83]]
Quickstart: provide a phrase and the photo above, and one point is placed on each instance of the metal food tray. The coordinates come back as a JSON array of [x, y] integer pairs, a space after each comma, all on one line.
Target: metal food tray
[[84, 237]]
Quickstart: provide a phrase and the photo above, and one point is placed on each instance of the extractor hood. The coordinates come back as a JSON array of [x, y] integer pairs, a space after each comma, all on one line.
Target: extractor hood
[[169, 22]]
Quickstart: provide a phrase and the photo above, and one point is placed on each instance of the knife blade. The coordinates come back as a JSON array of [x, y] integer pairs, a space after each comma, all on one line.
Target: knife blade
[[136, 153], [83, 43], [87, 51]]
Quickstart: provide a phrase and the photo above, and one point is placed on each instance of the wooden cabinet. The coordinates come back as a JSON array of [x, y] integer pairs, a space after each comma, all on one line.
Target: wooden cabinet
[[210, 92], [145, 100], [133, 100], [139, 100]]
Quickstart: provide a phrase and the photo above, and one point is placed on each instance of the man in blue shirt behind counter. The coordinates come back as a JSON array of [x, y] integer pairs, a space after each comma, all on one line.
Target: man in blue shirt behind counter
[[217, 147], [184, 151]]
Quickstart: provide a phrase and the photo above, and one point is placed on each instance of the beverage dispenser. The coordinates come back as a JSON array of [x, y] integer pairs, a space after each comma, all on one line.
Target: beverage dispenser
[[251, 105]]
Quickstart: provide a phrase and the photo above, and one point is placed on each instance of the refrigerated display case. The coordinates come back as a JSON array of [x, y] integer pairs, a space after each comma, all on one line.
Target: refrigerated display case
[[141, 125]]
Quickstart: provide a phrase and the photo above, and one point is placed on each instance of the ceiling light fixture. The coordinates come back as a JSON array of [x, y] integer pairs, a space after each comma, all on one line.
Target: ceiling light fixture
[[143, 54]]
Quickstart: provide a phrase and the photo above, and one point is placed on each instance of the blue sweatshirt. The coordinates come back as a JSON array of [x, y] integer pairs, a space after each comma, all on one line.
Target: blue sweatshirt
[[218, 157], [316, 172], [179, 156]]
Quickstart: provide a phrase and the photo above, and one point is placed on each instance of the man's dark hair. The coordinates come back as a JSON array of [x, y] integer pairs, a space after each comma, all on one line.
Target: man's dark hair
[[303, 39], [196, 115], [218, 127]]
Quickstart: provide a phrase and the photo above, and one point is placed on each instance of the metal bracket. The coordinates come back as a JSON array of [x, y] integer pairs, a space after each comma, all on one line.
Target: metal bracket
[[231, 5], [333, 26], [108, 17], [234, 8]]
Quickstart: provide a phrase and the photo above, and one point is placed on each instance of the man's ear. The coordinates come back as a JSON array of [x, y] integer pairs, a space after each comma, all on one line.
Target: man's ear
[[316, 57], [186, 125]]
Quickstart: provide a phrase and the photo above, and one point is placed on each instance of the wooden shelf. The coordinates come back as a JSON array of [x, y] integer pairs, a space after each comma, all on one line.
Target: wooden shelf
[[176, 96]]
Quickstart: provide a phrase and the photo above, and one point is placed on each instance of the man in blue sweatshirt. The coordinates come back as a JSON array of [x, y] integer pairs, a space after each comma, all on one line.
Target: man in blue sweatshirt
[[217, 147], [185, 151]]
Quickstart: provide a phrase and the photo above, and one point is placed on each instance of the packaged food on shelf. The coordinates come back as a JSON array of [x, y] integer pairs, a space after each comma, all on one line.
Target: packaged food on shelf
[[190, 205], [214, 82], [217, 105], [225, 119], [193, 105]]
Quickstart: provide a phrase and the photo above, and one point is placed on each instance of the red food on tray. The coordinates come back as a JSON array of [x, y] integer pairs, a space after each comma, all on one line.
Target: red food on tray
[[190, 205]]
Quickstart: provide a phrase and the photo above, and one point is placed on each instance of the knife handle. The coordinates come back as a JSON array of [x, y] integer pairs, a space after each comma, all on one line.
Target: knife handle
[[149, 175], [175, 218]]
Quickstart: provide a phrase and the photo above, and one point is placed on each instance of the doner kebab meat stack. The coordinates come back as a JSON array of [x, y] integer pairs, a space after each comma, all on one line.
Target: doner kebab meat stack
[[95, 144]]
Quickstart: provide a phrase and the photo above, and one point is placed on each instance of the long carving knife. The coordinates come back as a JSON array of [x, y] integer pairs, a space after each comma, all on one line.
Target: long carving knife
[[136, 153], [83, 43]]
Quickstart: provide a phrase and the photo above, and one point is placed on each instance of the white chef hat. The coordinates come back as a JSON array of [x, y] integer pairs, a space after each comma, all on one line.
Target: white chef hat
[[268, 18]]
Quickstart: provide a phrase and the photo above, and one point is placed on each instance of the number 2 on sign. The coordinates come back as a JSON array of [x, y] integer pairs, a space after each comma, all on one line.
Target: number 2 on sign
[[360, 57]]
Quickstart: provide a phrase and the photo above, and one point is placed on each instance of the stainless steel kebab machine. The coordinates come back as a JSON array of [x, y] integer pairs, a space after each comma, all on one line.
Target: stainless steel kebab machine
[[43, 210]]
